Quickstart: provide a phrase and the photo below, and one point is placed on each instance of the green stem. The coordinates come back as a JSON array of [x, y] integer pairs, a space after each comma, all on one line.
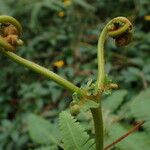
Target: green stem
[[97, 112], [126, 27], [43, 71], [101, 60], [98, 126], [112, 31]]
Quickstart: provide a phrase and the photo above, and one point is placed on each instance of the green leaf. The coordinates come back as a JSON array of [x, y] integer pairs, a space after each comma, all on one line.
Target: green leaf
[[135, 141], [140, 106], [41, 131], [114, 101], [73, 134]]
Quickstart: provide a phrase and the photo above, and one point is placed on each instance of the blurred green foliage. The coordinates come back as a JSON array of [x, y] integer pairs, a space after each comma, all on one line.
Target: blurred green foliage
[[56, 30]]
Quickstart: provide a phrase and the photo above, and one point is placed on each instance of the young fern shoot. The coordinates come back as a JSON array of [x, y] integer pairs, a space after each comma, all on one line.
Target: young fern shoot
[[118, 28], [9, 40]]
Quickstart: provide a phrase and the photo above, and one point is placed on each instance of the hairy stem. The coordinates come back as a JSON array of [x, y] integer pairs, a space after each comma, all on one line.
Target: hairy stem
[[43, 71], [98, 126]]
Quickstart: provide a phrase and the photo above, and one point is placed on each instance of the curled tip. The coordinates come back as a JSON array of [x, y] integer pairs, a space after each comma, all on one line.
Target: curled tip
[[124, 39], [4, 19], [10, 33], [120, 28]]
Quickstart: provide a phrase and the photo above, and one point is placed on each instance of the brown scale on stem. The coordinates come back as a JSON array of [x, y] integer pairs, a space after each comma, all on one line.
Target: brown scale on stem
[[124, 38], [10, 34]]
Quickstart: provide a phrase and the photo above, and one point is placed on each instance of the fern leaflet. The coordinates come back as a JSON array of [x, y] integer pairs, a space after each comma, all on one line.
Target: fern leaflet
[[73, 134]]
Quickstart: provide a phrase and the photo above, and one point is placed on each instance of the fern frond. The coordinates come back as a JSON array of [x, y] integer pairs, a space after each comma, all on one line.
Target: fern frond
[[73, 134]]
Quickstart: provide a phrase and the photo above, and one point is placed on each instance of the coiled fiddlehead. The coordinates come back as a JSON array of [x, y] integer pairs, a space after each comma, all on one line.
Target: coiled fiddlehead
[[120, 29], [10, 33]]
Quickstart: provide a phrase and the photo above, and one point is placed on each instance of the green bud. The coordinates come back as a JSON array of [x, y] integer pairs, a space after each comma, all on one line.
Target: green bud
[[75, 109]]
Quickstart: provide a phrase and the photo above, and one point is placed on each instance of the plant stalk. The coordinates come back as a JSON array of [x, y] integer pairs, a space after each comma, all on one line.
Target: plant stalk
[[101, 59], [97, 112], [98, 126], [43, 71]]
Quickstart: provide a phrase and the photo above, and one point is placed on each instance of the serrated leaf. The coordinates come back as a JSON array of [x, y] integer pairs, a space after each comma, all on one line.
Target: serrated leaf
[[41, 131], [73, 134]]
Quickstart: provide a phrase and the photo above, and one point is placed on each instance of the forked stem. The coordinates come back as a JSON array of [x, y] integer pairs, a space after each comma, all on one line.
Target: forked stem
[[116, 28]]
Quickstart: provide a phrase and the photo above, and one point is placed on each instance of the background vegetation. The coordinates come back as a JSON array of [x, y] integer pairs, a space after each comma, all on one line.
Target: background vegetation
[[62, 36]]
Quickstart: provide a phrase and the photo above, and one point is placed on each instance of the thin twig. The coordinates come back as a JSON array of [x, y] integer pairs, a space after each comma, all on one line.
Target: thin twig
[[135, 128]]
